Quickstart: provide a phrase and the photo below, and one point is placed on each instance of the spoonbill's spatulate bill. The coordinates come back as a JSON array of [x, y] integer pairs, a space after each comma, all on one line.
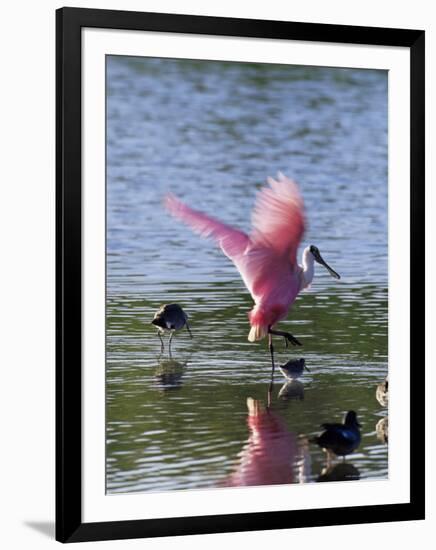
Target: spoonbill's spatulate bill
[[170, 317], [267, 258]]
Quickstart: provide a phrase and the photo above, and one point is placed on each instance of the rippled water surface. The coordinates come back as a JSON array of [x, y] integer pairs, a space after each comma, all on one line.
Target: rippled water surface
[[211, 132]]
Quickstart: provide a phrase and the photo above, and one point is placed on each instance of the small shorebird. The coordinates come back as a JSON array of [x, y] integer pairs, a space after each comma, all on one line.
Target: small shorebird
[[382, 393], [341, 439], [293, 369], [170, 317]]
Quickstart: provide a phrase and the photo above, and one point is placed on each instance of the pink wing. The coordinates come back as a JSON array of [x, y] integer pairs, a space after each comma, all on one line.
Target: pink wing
[[250, 261], [278, 218], [265, 260], [232, 241]]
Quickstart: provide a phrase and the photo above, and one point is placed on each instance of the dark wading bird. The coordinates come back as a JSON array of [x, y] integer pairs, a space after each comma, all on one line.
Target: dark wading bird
[[340, 439], [170, 317], [267, 258]]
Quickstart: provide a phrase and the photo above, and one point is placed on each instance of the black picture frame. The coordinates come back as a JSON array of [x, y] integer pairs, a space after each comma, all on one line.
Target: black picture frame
[[69, 525]]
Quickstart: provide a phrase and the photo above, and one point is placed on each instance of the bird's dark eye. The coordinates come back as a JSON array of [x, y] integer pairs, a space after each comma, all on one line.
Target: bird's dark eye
[[313, 249]]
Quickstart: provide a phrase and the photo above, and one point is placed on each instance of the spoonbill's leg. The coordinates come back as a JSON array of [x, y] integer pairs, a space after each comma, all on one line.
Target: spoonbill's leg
[[161, 341], [189, 330], [286, 335], [271, 350]]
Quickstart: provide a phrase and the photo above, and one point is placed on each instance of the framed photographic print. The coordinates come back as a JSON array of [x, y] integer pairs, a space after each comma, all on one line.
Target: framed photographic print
[[240, 232]]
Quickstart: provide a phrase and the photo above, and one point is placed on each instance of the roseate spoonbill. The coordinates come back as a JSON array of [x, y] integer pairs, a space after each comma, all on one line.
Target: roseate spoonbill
[[382, 393], [170, 317], [341, 439], [293, 369], [267, 258]]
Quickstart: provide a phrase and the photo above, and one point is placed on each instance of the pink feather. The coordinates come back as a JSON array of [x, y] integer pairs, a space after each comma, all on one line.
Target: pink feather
[[232, 241], [278, 217]]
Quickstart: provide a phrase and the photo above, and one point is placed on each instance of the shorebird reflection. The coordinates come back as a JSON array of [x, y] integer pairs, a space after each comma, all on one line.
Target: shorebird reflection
[[343, 471], [169, 374], [292, 389]]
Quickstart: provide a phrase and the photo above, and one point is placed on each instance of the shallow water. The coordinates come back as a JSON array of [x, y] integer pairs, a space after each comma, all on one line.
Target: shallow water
[[211, 132]]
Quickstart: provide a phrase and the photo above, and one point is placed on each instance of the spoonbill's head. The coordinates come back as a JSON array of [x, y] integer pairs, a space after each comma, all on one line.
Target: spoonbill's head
[[317, 255]]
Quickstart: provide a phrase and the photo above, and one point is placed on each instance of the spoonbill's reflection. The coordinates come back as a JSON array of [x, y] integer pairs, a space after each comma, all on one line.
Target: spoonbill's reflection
[[269, 454], [304, 460]]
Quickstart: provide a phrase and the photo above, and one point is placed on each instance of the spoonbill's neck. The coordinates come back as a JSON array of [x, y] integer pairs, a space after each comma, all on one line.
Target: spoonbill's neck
[[308, 265]]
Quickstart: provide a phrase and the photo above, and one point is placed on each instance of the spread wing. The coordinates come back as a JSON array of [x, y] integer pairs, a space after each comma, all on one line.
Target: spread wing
[[253, 262], [278, 217], [264, 259], [233, 242]]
